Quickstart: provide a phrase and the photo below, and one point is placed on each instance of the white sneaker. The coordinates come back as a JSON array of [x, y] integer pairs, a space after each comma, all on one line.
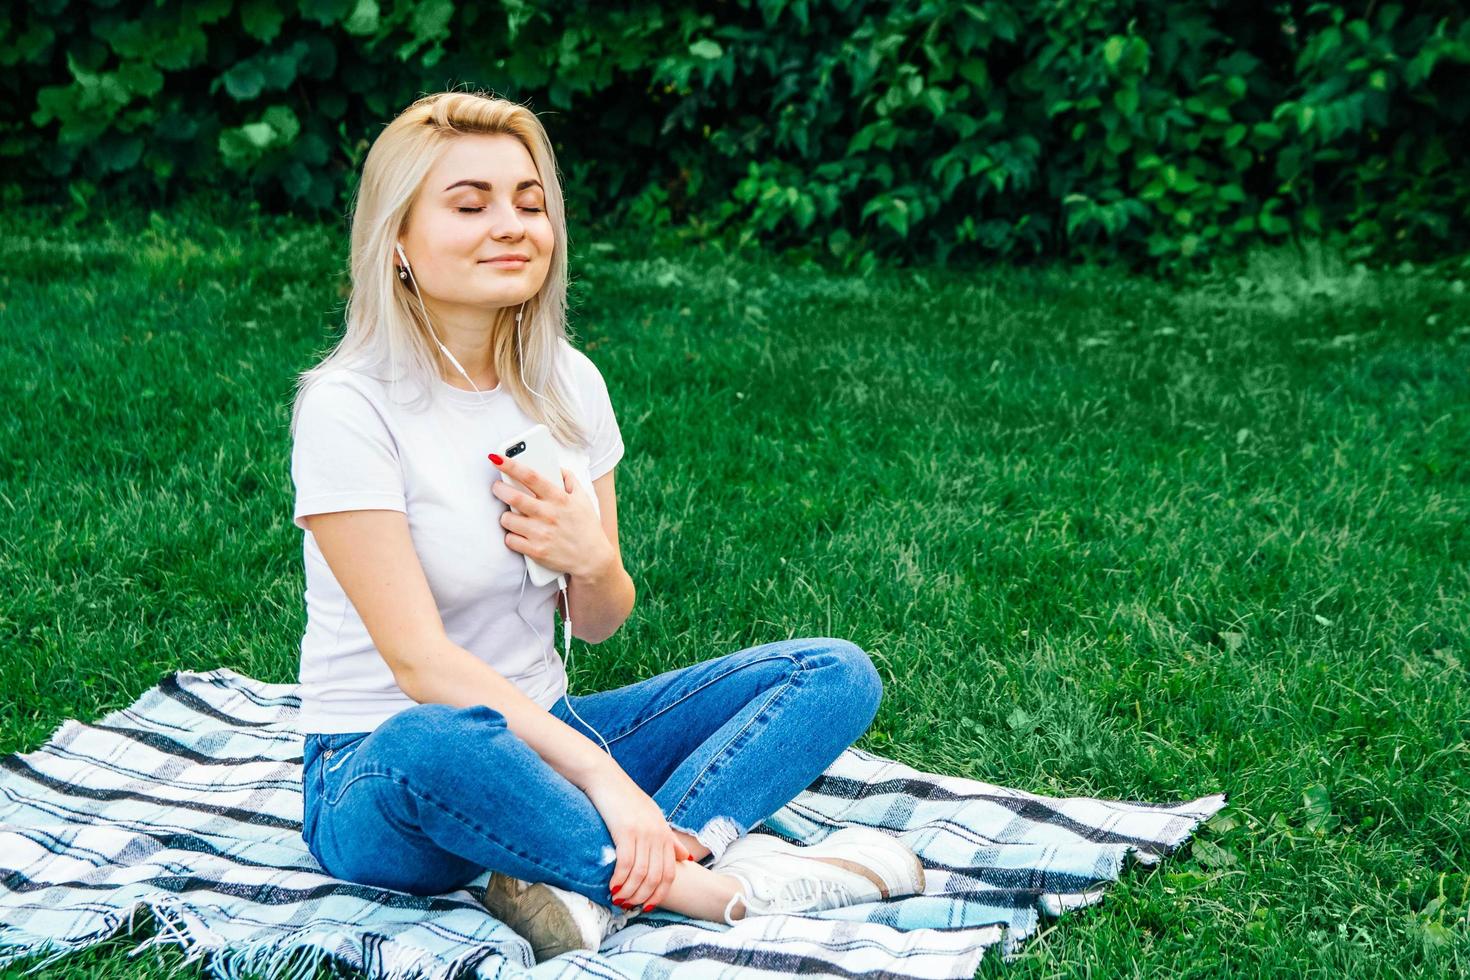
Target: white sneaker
[[553, 920], [851, 866]]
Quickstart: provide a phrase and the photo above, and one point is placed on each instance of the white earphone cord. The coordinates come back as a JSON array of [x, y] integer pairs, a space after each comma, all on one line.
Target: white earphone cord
[[566, 625]]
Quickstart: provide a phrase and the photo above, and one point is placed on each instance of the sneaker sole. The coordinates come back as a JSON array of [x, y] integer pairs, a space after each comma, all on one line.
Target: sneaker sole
[[537, 916], [906, 869]]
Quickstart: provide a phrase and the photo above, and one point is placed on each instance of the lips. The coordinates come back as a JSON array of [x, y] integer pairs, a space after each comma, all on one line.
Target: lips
[[507, 260]]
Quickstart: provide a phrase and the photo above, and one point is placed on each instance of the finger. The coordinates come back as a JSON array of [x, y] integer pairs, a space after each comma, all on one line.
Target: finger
[[529, 478], [639, 876], [656, 863], [522, 498], [657, 876], [681, 852], [624, 864], [518, 523], [637, 888], [670, 869], [514, 497]]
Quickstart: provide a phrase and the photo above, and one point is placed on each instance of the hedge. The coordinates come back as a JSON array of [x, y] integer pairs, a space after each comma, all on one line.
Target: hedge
[[897, 130]]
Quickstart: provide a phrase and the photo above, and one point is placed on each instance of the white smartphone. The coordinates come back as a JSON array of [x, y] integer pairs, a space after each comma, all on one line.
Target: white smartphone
[[537, 449]]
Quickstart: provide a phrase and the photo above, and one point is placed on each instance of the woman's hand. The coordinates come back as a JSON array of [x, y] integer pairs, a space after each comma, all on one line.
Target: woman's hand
[[556, 522], [648, 851]]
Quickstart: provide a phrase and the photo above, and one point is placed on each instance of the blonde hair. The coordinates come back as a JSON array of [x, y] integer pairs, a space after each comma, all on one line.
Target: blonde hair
[[385, 330]]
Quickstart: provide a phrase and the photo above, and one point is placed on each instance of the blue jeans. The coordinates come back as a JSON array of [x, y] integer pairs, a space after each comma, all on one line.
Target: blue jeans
[[437, 794]]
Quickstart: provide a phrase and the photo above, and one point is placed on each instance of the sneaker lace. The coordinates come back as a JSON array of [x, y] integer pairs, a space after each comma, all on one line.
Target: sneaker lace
[[803, 892], [796, 895]]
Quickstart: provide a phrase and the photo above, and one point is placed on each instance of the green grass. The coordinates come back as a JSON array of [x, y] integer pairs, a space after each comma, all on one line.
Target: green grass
[[1102, 535]]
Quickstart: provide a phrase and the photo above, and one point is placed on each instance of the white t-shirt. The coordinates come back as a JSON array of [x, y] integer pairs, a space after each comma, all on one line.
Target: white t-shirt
[[359, 447]]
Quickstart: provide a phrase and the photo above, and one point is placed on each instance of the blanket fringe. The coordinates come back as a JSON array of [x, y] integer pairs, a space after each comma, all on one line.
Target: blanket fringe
[[295, 956], [1056, 904], [1186, 823]]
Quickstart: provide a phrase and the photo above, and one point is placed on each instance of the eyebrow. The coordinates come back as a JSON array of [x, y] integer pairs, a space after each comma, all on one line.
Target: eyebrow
[[485, 186]]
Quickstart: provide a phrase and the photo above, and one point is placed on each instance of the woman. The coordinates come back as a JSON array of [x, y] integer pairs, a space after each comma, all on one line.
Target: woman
[[440, 737]]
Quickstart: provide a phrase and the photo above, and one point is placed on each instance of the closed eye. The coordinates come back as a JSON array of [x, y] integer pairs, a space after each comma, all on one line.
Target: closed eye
[[478, 210]]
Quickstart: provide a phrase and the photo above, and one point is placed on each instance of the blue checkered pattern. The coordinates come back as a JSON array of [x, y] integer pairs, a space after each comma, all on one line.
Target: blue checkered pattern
[[188, 803]]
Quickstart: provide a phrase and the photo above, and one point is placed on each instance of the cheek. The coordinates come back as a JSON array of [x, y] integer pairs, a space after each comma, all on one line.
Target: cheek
[[543, 236], [446, 244]]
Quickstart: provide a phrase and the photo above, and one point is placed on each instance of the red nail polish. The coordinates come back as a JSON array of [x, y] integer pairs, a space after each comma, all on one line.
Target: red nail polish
[[615, 890], [647, 907], [495, 458]]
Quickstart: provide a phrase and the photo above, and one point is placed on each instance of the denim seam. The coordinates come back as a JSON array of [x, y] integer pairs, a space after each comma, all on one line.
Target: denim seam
[[402, 780], [689, 694], [675, 810]]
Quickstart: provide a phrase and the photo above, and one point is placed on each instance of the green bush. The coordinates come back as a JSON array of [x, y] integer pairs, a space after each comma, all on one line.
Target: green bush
[[1159, 133]]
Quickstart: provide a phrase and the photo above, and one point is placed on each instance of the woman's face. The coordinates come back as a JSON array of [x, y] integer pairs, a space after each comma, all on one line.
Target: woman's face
[[481, 201]]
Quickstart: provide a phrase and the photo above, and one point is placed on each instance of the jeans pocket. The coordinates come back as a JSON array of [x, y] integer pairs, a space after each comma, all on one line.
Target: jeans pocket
[[334, 767]]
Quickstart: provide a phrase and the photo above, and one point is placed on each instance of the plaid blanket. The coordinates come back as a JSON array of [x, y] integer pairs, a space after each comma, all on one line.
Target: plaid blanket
[[189, 803]]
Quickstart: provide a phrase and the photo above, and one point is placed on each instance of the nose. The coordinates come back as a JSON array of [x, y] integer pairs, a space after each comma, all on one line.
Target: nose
[[507, 225]]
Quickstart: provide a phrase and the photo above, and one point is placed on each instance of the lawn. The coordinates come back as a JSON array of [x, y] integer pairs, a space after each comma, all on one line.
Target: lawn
[[1102, 535]]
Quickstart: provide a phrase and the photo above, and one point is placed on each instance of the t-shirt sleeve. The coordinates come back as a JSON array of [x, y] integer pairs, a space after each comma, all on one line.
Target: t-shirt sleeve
[[343, 457], [607, 439]]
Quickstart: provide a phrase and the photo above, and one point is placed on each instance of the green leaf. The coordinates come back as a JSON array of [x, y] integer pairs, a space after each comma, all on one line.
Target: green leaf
[[1126, 99], [118, 152], [296, 179], [282, 120], [1113, 50], [1304, 118], [364, 19], [140, 79], [184, 48], [804, 212], [1317, 802], [262, 19], [258, 134], [1212, 855], [1223, 822], [973, 70], [1274, 224], [208, 11], [325, 12], [244, 81], [706, 49], [430, 20], [896, 215], [1137, 54]]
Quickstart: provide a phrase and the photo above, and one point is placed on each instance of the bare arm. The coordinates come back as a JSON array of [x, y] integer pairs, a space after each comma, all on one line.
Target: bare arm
[[372, 556], [601, 600]]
